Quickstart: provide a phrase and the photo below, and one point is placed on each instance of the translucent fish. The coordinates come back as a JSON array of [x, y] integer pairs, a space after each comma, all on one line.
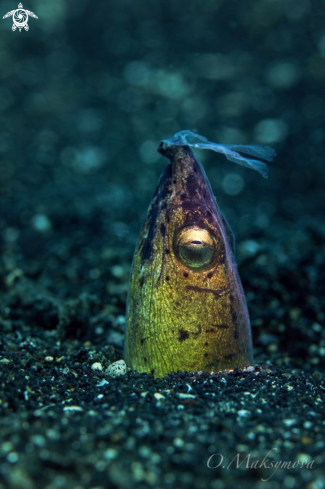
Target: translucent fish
[[231, 151]]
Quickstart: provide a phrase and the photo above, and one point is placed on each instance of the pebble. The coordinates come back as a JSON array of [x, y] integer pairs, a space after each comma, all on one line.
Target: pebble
[[289, 422], [72, 408], [97, 366], [250, 369], [117, 368], [110, 454], [181, 395], [178, 442], [48, 359], [158, 396], [102, 382], [243, 412]]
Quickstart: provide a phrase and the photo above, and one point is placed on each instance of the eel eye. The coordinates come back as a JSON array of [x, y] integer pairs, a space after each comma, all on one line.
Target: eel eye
[[195, 247]]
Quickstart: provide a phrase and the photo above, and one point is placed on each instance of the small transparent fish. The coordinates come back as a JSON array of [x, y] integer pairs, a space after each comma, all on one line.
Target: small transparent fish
[[231, 151], [186, 307]]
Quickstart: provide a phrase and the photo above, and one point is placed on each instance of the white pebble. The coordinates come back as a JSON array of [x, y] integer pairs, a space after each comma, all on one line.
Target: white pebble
[[158, 396], [250, 369], [117, 368], [110, 454], [72, 408], [102, 382], [304, 458], [289, 422], [97, 366], [243, 412], [48, 359], [178, 442], [181, 395]]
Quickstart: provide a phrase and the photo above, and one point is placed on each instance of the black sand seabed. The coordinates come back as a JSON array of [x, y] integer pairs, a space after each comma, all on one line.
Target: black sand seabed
[[64, 424], [86, 95]]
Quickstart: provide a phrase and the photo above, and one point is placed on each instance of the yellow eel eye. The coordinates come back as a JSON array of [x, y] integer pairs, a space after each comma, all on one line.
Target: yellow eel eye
[[195, 247]]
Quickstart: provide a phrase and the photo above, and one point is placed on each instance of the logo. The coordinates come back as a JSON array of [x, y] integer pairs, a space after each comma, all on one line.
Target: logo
[[20, 18]]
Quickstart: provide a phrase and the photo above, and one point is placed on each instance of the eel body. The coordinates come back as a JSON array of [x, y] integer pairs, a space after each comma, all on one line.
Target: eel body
[[186, 307]]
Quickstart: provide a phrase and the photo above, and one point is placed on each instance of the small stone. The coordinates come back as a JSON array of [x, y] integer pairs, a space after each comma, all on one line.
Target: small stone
[[304, 458], [117, 368], [181, 395], [308, 425], [178, 442], [289, 422], [243, 412], [48, 359], [72, 408], [158, 396], [110, 454], [102, 382], [250, 369], [97, 366]]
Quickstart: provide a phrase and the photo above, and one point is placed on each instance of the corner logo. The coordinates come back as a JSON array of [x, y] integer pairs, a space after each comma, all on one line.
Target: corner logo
[[20, 18]]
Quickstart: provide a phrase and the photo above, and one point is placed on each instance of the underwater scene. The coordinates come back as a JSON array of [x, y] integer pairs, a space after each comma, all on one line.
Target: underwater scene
[[162, 244]]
